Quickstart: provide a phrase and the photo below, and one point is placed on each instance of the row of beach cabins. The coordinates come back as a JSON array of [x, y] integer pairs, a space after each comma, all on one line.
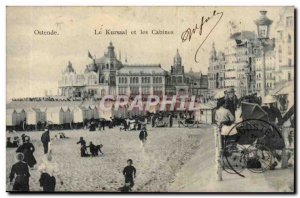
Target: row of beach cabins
[[53, 115], [35, 115]]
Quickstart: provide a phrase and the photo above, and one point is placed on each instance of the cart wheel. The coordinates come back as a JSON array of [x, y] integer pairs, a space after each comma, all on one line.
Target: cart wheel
[[233, 158], [262, 154]]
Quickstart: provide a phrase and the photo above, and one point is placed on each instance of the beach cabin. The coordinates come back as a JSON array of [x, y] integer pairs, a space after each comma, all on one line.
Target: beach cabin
[[11, 117], [67, 115], [88, 112], [105, 114], [21, 116], [34, 115], [55, 115], [77, 114], [94, 112]]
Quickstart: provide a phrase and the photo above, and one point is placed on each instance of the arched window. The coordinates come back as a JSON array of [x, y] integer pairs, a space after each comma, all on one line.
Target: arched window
[[120, 80], [179, 79], [173, 79], [125, 80]]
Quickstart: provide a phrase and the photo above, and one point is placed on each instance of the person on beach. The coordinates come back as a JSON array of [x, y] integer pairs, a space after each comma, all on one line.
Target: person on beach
[[143, 136], [16, 142], [45, 138], [23, 136], [94, 149], [129, 173], [49, 172], [81, 141], [225, 119], [231, 100], [19, 174], [27, 149], [9, 144], [102, 124], [83, 148]]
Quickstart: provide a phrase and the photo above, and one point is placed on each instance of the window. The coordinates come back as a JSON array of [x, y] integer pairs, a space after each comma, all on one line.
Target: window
[[134, 90], [145, 90], [289, 77], [122, 90], [290, 62], [157, 90]]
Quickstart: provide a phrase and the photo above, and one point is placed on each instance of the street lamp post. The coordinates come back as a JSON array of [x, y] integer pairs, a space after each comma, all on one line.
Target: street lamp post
[[263, 24]]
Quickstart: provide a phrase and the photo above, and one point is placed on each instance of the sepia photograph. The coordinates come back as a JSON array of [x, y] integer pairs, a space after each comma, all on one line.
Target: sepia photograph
[[153, 99]]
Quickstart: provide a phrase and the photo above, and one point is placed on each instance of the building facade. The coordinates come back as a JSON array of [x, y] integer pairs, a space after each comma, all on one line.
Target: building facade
[[284, 47], [253, 62], [108, 75], [235, 66]]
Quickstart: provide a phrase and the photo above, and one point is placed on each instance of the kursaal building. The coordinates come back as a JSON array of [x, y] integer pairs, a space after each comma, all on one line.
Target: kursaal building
[[108, 75]]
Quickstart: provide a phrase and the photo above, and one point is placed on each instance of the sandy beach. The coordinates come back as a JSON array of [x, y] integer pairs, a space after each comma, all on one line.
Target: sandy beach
[[166, 151]]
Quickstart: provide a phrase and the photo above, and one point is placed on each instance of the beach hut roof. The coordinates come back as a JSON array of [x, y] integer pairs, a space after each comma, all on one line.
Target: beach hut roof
[[10, 111], [54, 109], [19, 110]]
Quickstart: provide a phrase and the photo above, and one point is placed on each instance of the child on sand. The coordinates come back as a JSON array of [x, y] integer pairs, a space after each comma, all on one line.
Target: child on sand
[[129, 173], [83, 147]]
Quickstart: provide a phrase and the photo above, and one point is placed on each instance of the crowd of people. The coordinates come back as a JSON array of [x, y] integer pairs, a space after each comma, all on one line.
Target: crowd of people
[[49, 173], [20, 171]]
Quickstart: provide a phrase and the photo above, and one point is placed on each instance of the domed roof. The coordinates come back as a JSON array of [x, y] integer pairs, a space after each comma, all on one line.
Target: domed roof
[[109, 57], [69, 68], [263, 19]]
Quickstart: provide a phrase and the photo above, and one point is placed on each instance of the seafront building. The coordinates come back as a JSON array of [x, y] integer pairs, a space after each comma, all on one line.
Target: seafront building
[[108, 75], [251, 61]]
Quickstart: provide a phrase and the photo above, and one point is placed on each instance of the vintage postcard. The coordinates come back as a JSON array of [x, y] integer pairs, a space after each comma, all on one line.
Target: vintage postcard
[[150, 99]]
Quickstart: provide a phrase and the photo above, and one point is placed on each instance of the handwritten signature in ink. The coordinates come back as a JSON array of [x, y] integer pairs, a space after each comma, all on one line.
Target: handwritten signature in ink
[[189, 32]]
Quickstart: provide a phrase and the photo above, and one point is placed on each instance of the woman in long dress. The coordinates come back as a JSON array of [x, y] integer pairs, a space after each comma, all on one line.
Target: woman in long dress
[[27, 149]]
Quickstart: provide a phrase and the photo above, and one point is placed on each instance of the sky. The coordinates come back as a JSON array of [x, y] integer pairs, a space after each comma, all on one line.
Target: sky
[[35, 62]]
